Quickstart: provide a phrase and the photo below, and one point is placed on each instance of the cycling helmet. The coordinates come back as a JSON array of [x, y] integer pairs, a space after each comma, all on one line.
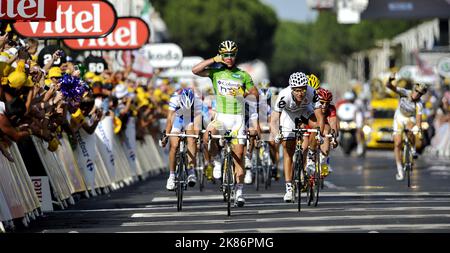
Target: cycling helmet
[[228, 46], [324, 94], [264, 84], [186, 98], [349, 96], [313, 81], [421, 87], [298, 79], [265, 92]]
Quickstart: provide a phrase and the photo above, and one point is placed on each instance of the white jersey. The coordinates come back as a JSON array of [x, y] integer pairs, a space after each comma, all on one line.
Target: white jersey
[[285, 101], [406, 106]]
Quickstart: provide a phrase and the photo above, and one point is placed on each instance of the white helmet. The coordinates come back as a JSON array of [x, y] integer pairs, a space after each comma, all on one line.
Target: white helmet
[[298, 79], [349, 95]]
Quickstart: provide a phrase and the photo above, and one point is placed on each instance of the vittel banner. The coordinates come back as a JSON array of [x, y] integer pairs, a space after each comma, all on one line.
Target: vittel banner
[[129, 33], [28, 10], [74, 19]]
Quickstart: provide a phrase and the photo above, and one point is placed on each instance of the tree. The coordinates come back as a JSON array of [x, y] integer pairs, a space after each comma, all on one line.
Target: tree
[[292, 52], [208, 22]]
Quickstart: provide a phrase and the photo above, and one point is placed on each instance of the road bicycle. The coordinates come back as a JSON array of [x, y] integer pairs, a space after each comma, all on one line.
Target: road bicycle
[[181, 171], [228, 174]]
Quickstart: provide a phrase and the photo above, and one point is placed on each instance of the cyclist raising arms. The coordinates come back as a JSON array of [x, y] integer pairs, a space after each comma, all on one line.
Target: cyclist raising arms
[[230, 85], [408, 113], [184, 114], [296, 102]]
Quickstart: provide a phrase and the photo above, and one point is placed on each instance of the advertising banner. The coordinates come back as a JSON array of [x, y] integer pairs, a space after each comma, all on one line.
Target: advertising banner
[[85, 154], [129, 144], [105, 134], [74, 19], [164, 55], [28, 10], [42, 189], [129, 34]]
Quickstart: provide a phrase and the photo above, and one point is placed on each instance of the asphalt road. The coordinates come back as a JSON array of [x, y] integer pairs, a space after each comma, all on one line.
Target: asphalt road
[[361, 195]]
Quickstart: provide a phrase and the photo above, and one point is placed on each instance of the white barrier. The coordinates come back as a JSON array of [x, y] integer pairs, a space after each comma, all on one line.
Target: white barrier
[[17, 196], [59, 180], [70, 172]]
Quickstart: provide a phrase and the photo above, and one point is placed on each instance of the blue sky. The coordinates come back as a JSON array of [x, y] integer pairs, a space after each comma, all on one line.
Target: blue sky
[[292, 10]]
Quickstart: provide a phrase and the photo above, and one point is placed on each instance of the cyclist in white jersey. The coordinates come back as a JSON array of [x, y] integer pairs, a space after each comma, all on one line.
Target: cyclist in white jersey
[[185, 114], [298, 102], [408, 115], [258, 116]]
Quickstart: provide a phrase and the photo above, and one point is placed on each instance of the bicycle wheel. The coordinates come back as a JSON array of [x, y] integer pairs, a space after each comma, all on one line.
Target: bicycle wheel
[[257, 173], [267, 176], [298, 178], [180, 178], [228, 182], [408, 164], [317, 178], [201, 171]]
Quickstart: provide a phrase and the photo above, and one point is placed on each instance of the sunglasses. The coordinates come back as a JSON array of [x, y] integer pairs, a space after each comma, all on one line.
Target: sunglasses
[[228, 55], [299, 90], [324, 104], [420, 93]]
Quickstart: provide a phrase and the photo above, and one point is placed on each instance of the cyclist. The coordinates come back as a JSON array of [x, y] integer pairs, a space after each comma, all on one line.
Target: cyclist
[[408, 115], [257, 113], [296, 102], [231, 85], [331, 126], [184, 114]]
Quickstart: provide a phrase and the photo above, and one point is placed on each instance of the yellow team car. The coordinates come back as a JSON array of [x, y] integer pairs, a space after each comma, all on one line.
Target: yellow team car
[[378, 131]]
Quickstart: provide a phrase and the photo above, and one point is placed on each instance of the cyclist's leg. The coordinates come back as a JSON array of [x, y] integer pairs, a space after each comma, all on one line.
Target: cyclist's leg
[[288, 153], [287, 122], [397, 135], [214, 147], [174, 144], [248, 156], [325, 151], [359, 120], [275, 157], [312, 122], [191, 154], [325, 147], [411, 137]]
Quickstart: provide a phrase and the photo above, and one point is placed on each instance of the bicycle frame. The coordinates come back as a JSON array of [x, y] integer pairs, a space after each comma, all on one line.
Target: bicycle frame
[[181, 169], [228, 174], [407, 156]]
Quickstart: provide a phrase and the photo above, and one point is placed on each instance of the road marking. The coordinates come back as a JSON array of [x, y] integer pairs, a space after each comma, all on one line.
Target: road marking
[[439, 168], [311, 229], [325, 194], [288, 210], [285, 219], [370, 187], [330, 185]]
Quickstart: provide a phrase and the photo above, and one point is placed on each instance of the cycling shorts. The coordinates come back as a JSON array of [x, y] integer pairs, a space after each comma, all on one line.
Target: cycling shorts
[[401, 121], [233, 122]]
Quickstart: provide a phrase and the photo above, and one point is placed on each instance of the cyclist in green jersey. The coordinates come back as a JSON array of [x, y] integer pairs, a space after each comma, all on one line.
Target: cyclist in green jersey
[[231, 85]]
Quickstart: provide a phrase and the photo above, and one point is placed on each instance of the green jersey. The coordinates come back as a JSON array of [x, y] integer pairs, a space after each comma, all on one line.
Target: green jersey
[[229, 86]]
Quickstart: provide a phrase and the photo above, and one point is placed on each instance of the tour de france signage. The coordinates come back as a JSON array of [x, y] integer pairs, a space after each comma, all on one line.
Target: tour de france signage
[[162, 55], [74, 19], [28, 10], [130, 33]]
